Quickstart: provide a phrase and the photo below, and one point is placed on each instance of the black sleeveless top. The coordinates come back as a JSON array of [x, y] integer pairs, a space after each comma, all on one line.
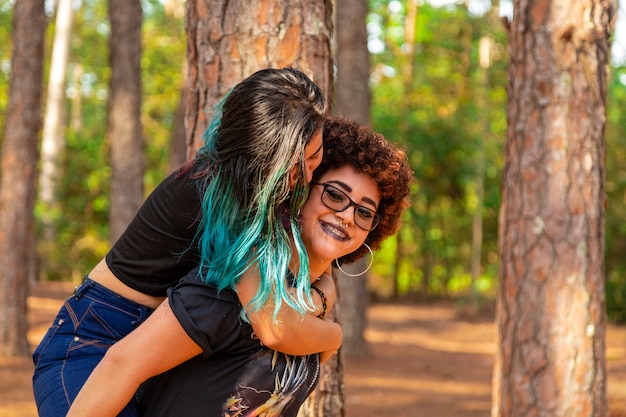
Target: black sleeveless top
[[158, 246]]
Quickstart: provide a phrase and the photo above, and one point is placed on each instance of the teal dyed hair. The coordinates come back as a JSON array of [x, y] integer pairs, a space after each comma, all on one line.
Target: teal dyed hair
[[257, 135]]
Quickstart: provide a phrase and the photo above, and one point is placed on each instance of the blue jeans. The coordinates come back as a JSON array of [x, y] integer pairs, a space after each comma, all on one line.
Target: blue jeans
[[88, 323]]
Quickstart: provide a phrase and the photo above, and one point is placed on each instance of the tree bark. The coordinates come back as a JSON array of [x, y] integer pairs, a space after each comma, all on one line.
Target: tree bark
[[328, 399], [551, 312], [352, 99], [19, 172], [228, 41], [352, 92], [125, 130]]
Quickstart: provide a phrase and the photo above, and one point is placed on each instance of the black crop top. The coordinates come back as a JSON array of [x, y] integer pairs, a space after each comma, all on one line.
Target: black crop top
[[158, 246]]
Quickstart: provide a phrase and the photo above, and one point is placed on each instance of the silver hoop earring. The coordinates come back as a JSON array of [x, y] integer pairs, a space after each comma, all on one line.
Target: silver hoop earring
[[366, 269]]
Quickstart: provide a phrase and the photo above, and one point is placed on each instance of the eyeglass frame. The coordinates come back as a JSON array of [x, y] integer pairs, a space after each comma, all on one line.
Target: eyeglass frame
[[376, 218]]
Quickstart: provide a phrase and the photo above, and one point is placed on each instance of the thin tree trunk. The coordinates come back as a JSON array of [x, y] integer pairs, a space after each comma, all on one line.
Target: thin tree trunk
[[352, 93], [19, 172], [485, 45], [352, 99], [178, 144], [353, 303], [125, 130], [551, 312], [53, 139]]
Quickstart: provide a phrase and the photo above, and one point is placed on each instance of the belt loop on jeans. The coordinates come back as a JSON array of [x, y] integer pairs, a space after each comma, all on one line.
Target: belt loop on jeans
[[84, 286], [143, 315]]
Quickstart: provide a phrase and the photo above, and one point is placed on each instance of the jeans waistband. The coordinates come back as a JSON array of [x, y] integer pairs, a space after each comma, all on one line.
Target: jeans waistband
[[97, 290]]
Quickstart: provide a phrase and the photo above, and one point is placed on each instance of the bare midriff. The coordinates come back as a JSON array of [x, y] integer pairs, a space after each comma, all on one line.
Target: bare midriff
[[105, 277]]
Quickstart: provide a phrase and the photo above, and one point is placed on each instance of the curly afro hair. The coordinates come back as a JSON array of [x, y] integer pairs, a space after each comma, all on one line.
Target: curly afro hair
[[348, 143]]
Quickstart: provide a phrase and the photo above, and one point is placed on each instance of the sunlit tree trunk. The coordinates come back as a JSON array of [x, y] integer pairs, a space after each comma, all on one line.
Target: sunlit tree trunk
[[19, 172], [124, 131], [551, 314], [228, 41], [53, 139], [352, 99]]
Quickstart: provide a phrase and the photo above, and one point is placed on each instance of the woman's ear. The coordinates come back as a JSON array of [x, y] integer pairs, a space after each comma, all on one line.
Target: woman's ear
[[293, 178]]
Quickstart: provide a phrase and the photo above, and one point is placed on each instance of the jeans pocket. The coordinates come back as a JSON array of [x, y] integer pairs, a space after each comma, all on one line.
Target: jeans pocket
[[40, 350], [106, 324]]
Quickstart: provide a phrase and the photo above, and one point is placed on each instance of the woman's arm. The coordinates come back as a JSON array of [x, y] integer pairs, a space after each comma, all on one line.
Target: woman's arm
[[327, 285], [159, 344], [292, 333]]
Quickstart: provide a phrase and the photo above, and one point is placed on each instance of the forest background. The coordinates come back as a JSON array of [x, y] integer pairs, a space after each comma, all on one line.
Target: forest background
[[442, 96]]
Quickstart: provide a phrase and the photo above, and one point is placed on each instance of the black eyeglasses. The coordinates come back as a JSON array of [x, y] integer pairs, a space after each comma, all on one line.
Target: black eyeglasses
[[335, 199]]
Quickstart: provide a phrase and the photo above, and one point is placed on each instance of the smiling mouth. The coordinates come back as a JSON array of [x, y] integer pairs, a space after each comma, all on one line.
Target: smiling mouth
[[335, 231]]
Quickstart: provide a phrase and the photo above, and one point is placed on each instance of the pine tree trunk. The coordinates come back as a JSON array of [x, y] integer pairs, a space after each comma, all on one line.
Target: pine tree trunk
[[328, 399], [551, 312], [53, 139], [125, 131], [228, 41], [352, 99], [19, 172], [178, 142], [352, 92]]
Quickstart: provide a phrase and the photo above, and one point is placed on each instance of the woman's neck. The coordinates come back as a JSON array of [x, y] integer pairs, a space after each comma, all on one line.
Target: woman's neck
[[316, 266]]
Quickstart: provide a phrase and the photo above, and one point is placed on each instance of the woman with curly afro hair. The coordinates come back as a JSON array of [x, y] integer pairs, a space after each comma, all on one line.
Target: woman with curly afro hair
[[348, 143]]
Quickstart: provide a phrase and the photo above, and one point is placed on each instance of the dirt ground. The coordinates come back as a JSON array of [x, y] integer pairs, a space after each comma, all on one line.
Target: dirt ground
[[426, 361]]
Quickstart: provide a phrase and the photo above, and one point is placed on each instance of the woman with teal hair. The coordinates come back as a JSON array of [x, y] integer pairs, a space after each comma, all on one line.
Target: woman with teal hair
[[225, 210], [358, 195]]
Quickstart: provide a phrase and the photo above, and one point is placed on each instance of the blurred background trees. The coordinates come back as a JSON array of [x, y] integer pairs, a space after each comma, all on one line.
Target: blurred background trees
[[18, 184], [437, 80]]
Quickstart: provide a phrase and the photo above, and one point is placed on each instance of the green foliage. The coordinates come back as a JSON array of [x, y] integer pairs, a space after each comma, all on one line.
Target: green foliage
[[616, 296], [81, 220], [162, 66], [449, 115], [440, 116], [615, 185], [6, 26]]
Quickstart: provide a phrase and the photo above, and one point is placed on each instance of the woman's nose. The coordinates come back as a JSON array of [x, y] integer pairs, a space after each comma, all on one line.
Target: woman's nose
[[346, 216]]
